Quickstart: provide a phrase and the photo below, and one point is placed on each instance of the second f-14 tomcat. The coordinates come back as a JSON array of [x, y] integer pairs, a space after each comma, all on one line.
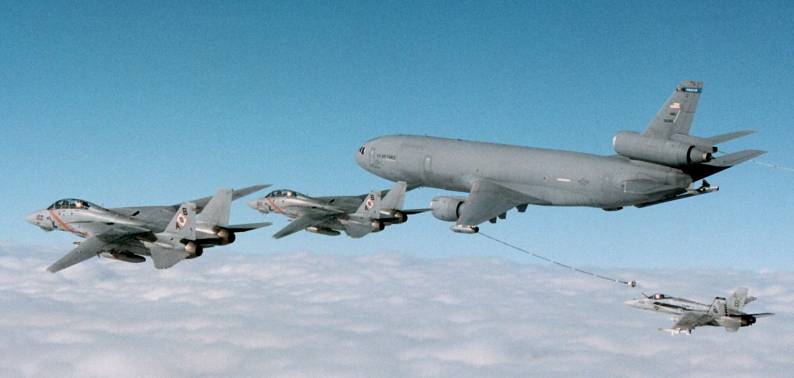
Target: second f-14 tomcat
[[168, 234], [690, 314], [357, 216], [657, 166]]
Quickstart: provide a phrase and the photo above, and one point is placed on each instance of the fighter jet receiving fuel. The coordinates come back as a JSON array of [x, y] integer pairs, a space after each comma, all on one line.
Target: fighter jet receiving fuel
[[168, 234], [357, 216], [692, 314], [657, 166]]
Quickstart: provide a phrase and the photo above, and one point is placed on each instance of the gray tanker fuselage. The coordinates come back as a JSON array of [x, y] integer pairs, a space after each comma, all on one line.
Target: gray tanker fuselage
[[553, 177], [649, 168]]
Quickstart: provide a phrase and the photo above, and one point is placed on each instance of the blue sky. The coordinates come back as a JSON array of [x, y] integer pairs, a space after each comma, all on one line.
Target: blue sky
[[156, 103]]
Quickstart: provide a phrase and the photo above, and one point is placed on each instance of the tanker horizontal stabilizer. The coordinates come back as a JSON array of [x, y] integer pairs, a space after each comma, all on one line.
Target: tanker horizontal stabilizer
[[735, 158], [729, 136]]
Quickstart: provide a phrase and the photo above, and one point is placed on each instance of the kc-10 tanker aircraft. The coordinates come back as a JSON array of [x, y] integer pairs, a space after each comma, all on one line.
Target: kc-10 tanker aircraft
[[357, 216], [657, 166], [168, 234], [691, 314]]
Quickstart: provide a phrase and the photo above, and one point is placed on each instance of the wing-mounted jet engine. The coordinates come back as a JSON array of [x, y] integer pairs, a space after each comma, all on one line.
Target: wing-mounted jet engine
[[447, 209]]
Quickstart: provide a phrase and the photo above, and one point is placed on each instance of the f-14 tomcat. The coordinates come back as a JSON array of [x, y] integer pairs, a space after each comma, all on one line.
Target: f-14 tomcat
[[690, 314], [168, 234], [657, 166], [357, 216]]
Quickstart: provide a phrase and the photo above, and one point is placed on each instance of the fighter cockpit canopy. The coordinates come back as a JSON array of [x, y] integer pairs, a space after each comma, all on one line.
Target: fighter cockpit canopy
[[72, 203], [284, 193], [658, 296]]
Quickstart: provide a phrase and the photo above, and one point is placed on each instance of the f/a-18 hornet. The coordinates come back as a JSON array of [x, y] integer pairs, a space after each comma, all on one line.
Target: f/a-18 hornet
[[657, 166], [355, 215], [692, 314], [168, 234]]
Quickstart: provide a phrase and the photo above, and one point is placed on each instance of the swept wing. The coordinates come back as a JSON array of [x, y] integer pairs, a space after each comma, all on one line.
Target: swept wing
[[691, 320], [92, 246], [488, 200], [300, 223]]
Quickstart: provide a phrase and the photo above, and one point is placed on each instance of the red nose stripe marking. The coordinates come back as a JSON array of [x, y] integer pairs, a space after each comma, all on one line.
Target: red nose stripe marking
[[274, 206], [63, 224]]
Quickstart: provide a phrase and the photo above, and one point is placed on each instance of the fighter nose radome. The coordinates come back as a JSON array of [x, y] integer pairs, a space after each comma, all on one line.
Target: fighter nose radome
[[253, 204], [31, 218]]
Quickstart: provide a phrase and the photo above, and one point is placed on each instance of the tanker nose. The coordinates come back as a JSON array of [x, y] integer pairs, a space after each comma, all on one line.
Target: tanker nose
[[361, 156], [259, 205], [31, 218]]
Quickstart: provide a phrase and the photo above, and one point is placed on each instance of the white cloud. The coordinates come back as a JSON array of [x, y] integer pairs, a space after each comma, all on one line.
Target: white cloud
[[311, 315]]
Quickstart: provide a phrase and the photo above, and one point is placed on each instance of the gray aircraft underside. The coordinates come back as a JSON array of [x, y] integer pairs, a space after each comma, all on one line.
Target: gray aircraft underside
[[356, 216], [690, 314], [168, 233], [656, 166]]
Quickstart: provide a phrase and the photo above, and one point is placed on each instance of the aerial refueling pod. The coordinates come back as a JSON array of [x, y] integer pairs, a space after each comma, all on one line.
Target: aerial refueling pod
[[447, 208], [660, 151]]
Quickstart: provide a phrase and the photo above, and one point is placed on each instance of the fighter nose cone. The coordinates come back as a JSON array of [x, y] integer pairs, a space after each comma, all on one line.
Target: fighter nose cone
[[259, 205], [631, 303], [31, 218]]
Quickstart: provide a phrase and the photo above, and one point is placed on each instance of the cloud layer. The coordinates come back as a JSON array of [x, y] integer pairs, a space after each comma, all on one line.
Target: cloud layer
[[309, 315]]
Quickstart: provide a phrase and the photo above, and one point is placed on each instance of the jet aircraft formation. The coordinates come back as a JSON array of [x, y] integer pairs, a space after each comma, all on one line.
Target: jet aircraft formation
[[662, 164]]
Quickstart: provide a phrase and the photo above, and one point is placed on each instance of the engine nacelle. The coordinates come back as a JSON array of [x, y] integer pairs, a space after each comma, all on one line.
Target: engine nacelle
[[447, 208], [226, 236], [193, 249], [666, 152]]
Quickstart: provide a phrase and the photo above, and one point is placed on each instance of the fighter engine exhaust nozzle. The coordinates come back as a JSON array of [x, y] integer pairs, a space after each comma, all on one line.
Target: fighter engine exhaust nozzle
[[194, 249]]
